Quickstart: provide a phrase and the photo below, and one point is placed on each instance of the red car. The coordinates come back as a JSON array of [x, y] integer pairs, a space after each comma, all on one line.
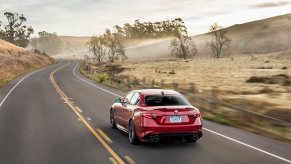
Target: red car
[[150, 114]]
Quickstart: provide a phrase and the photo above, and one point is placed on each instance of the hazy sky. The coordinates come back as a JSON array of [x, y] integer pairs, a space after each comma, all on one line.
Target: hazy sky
[[88, 17]]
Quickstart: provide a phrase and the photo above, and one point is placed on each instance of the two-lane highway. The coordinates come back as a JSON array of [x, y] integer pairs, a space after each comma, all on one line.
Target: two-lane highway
[[94, 100], [56, 115], [37, 127]]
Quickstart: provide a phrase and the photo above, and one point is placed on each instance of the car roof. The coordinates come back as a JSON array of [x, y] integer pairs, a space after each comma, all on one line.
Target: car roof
[[156, 91]]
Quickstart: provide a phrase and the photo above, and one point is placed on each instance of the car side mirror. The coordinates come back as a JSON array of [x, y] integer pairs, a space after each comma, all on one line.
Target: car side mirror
[[118, 100]]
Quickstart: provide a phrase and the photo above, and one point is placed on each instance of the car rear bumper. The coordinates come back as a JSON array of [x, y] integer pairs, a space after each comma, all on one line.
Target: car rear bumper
[[150, 127], [169, 131], [156, 137]]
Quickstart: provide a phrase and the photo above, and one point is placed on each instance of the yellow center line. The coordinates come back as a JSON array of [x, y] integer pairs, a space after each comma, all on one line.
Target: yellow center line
[[113, 160], [104, 136], [129, 159], [62, 94], [78, 109]]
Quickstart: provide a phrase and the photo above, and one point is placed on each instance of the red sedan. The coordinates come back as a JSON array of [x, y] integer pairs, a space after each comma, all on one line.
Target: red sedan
[[150, 114]]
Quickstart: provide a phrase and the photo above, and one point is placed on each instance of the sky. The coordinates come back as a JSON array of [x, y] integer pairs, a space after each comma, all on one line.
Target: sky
[[92, 17]]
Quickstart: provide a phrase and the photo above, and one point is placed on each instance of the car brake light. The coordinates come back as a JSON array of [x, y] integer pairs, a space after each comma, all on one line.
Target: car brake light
[[146, 115], [196, 115], [149, 115]]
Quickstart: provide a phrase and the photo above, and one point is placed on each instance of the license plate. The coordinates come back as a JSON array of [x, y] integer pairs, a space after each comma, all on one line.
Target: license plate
[[174, 119]]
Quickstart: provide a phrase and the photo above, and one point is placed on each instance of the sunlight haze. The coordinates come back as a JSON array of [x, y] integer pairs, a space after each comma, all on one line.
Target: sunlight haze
[[88, 17]]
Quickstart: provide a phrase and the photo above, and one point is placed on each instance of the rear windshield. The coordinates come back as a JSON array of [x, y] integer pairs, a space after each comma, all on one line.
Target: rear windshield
[[166, 100]]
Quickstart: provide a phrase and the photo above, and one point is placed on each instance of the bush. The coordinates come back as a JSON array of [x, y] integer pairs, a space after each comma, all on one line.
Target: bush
[[102, 77], [256, 79], [281, 79]]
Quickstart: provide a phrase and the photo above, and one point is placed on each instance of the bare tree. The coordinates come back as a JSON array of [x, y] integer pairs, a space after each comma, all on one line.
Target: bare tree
[[182, 46], [96, 45], [220, 43], [115, 47]]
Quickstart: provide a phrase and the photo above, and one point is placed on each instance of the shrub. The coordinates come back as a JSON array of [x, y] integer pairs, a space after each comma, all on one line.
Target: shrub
[[281, 79], [102, 77], [256, 79]]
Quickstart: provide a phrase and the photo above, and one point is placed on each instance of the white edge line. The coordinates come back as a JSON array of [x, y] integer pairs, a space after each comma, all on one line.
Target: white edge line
[[4, 99], [226, 137], [247, 145]]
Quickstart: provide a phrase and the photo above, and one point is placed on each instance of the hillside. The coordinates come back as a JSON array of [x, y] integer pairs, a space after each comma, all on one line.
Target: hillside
[[15, 61], [257, 37]]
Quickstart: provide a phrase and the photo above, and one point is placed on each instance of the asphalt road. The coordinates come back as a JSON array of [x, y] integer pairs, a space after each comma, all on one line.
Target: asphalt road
[[56, 115]]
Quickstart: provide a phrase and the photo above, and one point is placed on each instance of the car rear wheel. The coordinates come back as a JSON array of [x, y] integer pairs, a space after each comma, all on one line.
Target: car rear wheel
[[112, 120], [132, 133]]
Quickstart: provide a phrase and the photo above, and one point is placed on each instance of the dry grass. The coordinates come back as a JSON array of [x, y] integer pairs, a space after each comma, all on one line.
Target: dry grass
[[228, 75], [15, 61]]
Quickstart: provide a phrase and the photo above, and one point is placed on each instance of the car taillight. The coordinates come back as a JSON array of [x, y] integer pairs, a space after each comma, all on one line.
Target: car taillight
[[197, 115], [195, 112], [146, 115], [150, 115]]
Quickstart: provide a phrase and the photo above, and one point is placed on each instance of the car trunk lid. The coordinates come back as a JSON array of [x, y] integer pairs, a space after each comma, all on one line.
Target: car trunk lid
[[174, 115]]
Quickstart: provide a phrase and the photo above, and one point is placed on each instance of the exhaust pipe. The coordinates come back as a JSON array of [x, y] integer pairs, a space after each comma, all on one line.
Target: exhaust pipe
[[196, 136], [157, 138], [154, 138]]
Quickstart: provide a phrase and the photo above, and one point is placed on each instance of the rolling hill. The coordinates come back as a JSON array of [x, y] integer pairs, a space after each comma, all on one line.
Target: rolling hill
[[257, 37], [15, 61]]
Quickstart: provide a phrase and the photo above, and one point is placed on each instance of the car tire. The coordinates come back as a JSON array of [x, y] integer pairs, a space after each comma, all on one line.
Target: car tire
[[132, 133], [112, 120]]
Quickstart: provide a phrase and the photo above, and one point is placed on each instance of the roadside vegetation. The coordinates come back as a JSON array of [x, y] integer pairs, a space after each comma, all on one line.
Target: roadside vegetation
[[15, 60]]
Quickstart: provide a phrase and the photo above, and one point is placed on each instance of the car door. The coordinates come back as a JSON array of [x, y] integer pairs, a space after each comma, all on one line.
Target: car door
[[129, 109], [123, 109]]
